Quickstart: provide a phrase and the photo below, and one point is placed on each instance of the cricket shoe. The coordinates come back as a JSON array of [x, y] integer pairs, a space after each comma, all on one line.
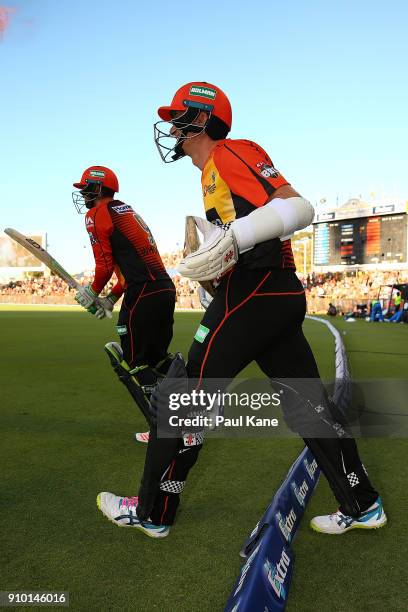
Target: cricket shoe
[[338, 523], [122, 511], [142, 437]]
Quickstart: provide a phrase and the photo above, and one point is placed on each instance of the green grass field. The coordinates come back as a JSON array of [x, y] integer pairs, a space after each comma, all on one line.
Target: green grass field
[[66, 427]]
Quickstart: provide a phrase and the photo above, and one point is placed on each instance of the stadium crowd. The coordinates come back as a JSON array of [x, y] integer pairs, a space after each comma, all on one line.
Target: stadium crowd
[[347, 291]]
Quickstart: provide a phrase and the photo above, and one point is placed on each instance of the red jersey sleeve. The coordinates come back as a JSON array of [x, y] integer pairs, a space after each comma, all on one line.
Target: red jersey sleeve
[[99, 227], [118, 289], [248, 171]]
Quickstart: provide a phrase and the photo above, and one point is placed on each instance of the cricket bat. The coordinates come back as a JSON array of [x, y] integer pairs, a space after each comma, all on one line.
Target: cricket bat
[[36, 249], [191, 244]]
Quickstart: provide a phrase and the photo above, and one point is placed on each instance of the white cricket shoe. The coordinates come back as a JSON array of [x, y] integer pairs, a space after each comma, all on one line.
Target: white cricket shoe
[[142, 437], [339, 523], [122, 511]]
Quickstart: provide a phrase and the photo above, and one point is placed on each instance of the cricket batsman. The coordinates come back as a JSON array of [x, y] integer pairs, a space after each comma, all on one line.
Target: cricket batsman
[[256, 315], [122, 243]]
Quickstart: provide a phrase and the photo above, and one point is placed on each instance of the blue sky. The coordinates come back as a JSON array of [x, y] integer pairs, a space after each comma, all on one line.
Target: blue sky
[[321, 85]]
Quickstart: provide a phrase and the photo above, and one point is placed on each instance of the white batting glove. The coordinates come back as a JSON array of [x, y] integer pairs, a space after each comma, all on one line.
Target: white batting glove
[[85, 296], [215, 256], [105, 306]]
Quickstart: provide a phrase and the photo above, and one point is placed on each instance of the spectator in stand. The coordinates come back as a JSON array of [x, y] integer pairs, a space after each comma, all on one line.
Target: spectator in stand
[[332, 310]]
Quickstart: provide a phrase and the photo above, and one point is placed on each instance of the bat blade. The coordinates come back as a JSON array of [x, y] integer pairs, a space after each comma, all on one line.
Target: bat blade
[[37, 250], [191, 244], [191, 240], [44, 256]]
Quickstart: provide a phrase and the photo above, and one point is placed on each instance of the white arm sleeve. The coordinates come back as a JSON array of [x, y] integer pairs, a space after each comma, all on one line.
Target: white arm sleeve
[[277, 219]]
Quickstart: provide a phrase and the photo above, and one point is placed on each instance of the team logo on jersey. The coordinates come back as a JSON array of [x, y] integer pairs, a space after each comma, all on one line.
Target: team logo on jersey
[[211, 187], [267, 170], [89, 221], [122, 209]]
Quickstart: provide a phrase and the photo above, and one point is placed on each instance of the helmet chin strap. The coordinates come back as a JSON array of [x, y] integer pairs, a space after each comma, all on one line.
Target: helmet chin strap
[[178, 151]]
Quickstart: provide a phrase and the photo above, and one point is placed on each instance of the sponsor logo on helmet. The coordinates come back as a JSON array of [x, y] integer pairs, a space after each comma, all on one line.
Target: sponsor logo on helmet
[[276, 574], [202, 92], [267, 170], [97, 173]]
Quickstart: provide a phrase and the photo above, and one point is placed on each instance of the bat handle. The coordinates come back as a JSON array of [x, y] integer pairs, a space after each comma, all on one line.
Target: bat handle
[[99, 304], [93, 309]]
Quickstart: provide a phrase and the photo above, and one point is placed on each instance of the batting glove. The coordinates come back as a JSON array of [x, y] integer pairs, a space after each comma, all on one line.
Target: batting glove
[[86, 296], [105, 306], [215, 256]]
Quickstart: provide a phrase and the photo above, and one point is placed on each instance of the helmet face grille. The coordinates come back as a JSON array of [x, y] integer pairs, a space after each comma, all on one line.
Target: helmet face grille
[[85, 198], [169, 145], [186, 119]]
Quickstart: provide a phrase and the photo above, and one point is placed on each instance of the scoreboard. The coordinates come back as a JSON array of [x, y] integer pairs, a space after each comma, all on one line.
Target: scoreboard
[[361, 241], [359, 233]]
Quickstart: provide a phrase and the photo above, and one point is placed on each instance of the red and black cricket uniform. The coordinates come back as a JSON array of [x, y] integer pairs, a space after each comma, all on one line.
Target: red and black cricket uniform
[[258, 309], [122, 243]]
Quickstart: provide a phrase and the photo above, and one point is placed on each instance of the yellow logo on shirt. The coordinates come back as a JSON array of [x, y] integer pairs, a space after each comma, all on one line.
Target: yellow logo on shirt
[[211, 187]]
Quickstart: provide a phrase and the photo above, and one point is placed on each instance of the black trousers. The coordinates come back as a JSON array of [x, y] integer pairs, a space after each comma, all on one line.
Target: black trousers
[[256, 315], [145, 323]]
